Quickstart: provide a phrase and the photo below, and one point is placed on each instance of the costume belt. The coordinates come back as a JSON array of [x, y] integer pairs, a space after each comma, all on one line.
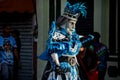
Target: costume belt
[[71, 60]]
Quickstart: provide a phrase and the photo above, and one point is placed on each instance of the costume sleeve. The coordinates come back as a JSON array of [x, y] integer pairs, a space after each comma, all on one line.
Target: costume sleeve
[[86, 41]]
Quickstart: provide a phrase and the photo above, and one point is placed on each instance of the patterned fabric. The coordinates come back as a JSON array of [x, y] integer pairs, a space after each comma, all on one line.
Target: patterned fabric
[[6, 53], [66, 46], [63, 42], [75, 10]]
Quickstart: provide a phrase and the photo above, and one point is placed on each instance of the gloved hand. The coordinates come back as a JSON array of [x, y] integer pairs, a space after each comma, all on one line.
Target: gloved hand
[[63, 68]]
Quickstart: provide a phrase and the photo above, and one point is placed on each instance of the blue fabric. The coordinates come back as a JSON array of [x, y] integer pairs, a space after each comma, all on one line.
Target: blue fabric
[[74, 9], [7, 54], [69, 47], [61, 47], [44, 55]]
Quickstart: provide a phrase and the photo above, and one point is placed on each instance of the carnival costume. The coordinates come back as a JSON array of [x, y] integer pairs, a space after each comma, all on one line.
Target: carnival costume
[[63, 47]]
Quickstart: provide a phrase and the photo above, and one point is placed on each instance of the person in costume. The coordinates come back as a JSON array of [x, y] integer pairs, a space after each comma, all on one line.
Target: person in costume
[[63, 45]]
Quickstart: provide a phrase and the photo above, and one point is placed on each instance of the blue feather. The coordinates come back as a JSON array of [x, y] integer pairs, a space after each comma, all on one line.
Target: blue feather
[[79, 8]]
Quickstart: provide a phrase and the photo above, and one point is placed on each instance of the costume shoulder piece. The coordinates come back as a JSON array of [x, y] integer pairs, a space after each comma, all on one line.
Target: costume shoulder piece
[[58, 36]]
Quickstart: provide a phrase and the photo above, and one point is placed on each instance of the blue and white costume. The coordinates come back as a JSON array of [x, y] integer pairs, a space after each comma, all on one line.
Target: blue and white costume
[[62, 47]]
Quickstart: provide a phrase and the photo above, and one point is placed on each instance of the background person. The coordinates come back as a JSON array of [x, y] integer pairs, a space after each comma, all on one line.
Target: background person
[[8, 50], [102, 52]]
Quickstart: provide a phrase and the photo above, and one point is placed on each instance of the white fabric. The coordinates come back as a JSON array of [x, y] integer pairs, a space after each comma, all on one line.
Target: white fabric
[[55, 58], [58, 36]]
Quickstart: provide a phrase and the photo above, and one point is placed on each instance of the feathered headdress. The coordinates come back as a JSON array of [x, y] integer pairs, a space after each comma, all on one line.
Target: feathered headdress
[[72, 12], [75, 10]]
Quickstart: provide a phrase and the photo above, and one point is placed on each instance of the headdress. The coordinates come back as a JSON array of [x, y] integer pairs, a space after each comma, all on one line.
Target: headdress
[[73, 11]]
